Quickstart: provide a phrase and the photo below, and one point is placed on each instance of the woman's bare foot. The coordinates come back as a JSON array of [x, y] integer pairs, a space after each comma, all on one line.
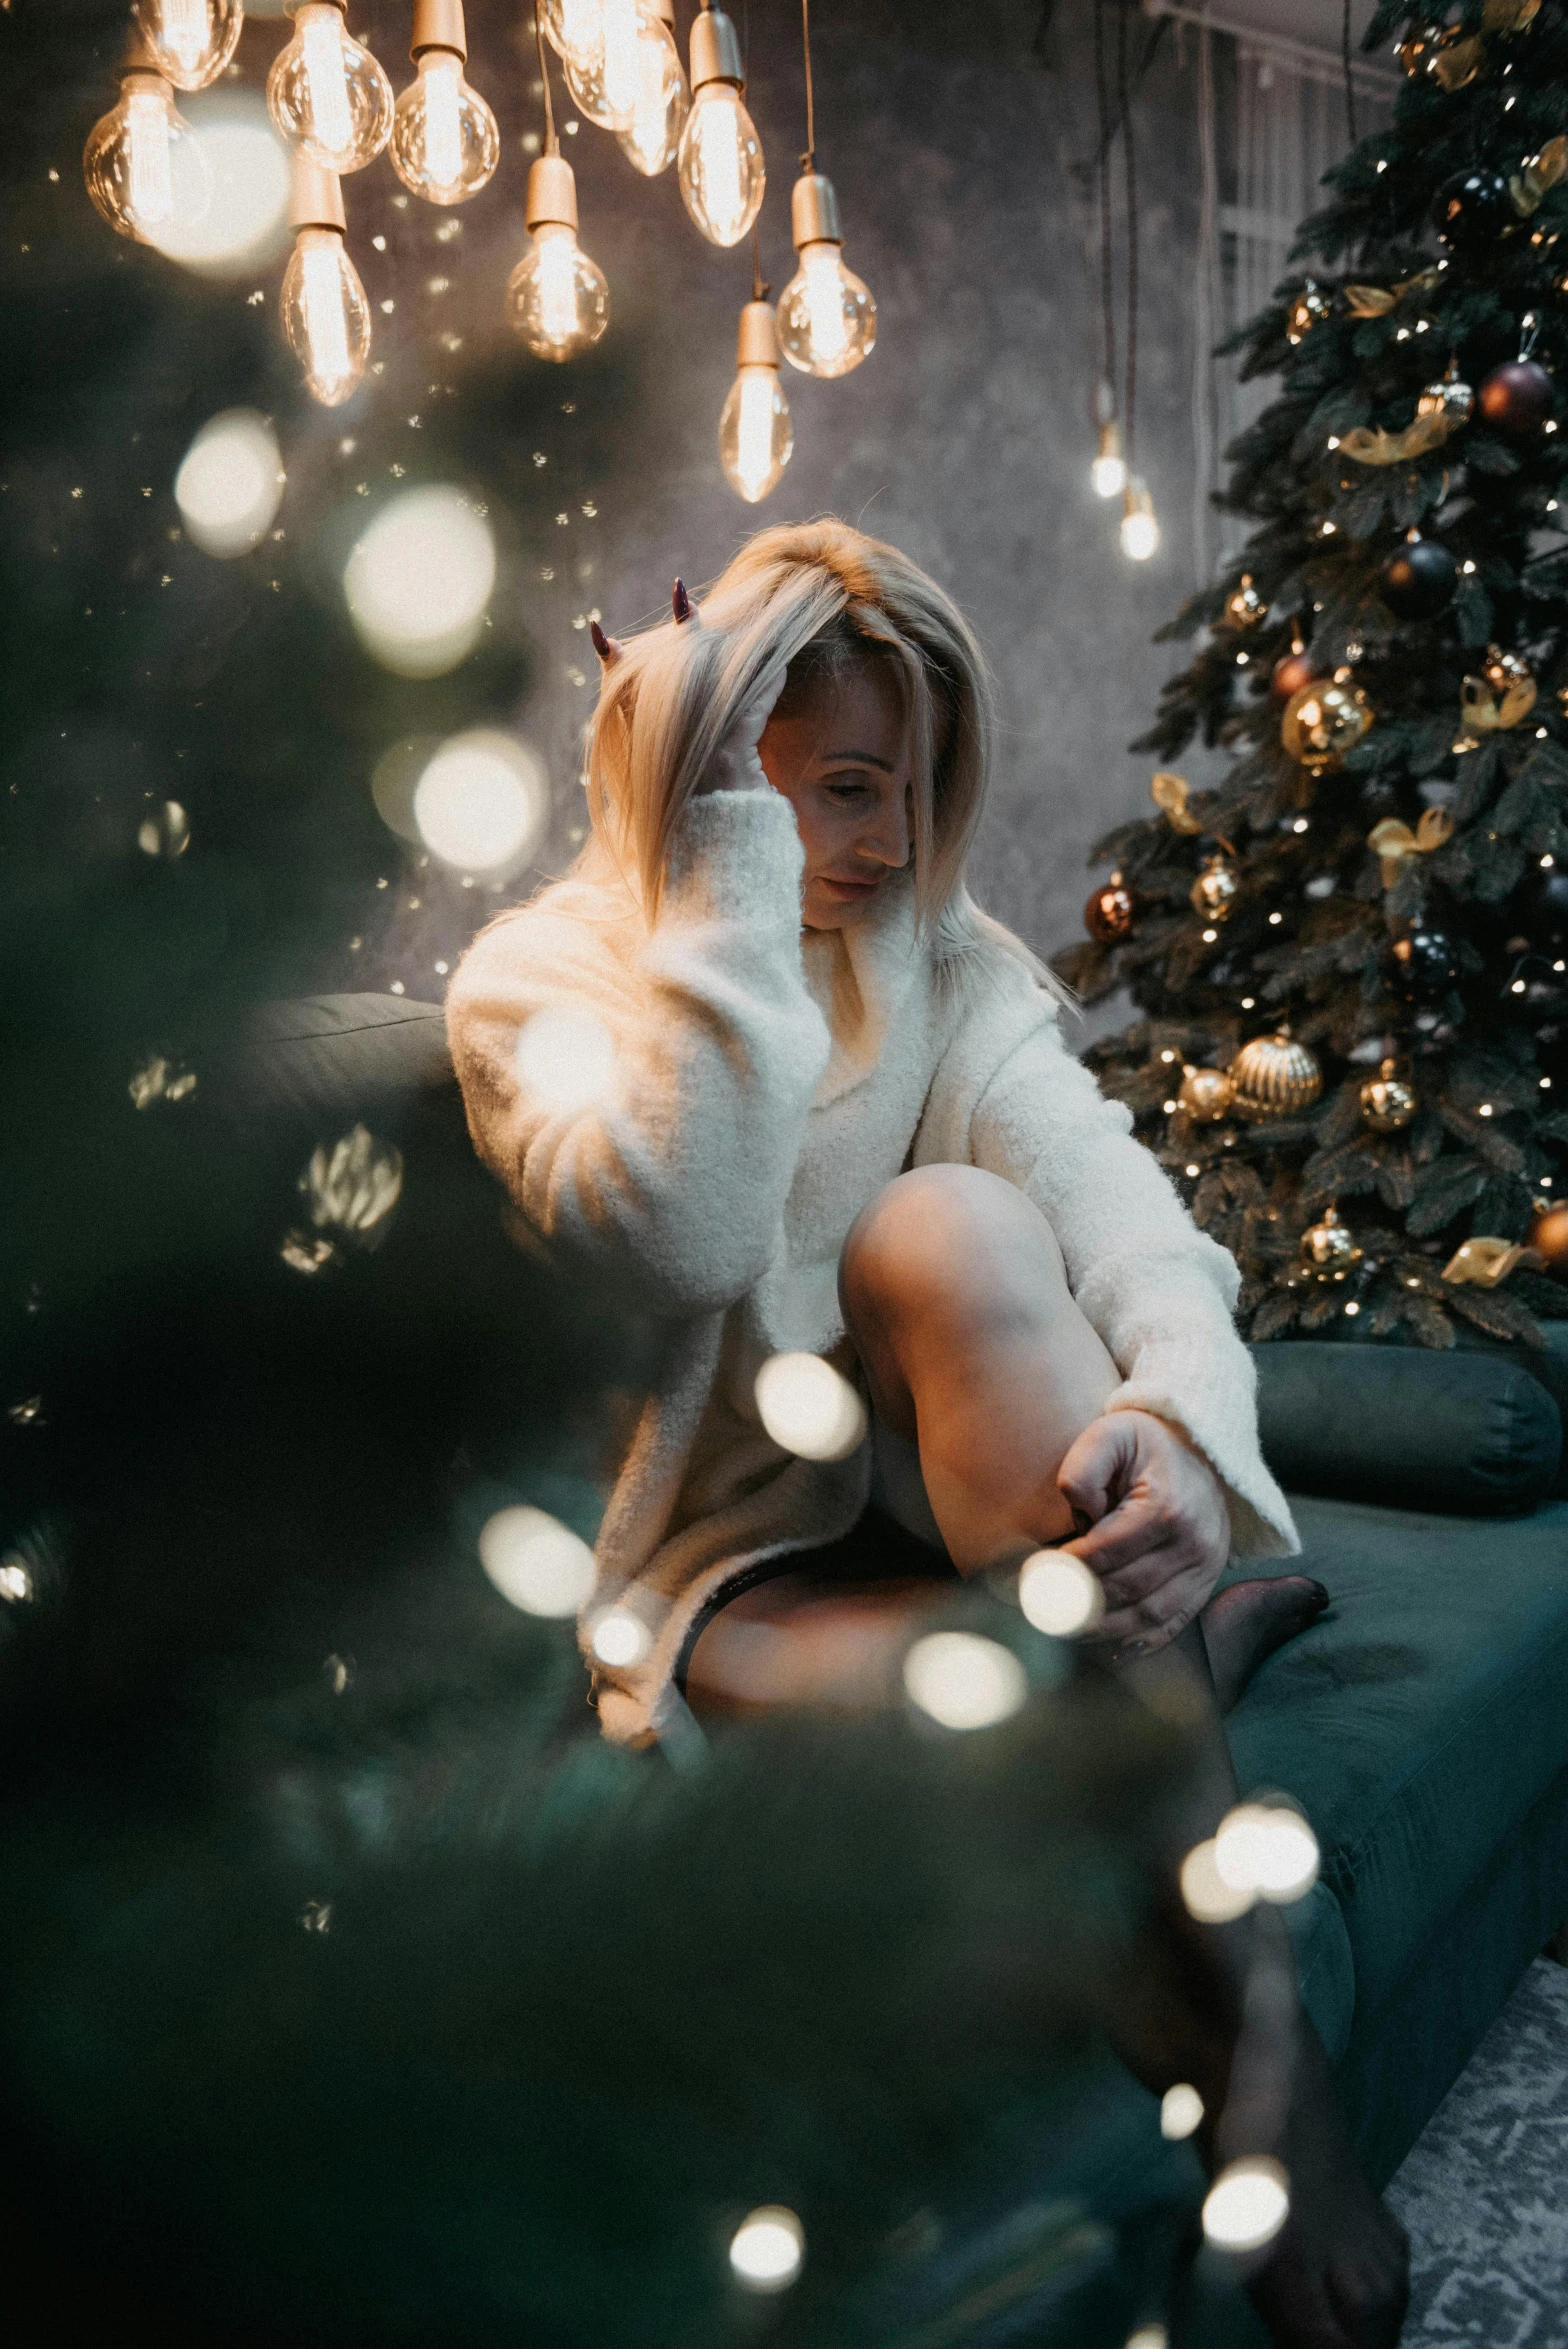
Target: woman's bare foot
[[1249, 1621]]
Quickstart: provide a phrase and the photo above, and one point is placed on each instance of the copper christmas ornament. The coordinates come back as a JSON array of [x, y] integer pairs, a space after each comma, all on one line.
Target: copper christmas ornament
[[1549, 1237], [1108, 917], [1291, 672]]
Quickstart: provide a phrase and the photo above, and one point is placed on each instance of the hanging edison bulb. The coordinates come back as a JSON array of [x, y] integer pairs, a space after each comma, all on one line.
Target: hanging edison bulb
[[651, 140], [1108, 473], [556, 298], [191, 40], [605, 86], [827, 318], [574, 29], [756, 438], [445, 143], [721, 166], [143, 168], [1140, 532], [325, 314], [326, 92]]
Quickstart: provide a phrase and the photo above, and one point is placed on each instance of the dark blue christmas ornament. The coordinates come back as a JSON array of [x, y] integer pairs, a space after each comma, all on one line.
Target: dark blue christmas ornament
[[1472, 210], [1419, 578]]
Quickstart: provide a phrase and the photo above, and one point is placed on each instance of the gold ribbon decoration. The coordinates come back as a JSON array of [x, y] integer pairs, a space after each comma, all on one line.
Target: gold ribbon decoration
[[1484, 1261], [1502, 696], [1170, 793], [1509, 16], [1369, 447], [1375, 301], [1537, 174], [1394, 841]]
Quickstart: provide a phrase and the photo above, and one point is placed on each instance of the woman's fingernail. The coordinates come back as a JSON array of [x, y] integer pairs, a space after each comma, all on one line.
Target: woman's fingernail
[[1131, 1652], [599, 641], [681, 602]]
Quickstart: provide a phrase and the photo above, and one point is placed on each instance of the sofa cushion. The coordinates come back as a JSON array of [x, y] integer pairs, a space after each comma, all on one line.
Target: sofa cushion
[[1408, 1427], [1422, 1718], [338, 1054]]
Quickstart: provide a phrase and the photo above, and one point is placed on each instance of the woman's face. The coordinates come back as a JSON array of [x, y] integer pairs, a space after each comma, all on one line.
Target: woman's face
[[841, 759]]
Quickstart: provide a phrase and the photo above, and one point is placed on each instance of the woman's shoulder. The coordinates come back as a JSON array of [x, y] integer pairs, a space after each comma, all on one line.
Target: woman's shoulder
[[586, 917]]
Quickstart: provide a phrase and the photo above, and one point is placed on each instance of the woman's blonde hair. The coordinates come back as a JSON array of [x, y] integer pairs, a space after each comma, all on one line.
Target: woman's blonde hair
[[814, 597]]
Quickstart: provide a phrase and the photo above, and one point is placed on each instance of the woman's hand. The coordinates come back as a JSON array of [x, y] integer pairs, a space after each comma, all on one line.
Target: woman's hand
[[1159, 1531], [735, 765]]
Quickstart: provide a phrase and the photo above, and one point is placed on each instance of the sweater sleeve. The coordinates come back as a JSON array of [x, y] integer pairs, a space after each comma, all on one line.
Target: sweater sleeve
[[644, 1103], [1159, 1291]]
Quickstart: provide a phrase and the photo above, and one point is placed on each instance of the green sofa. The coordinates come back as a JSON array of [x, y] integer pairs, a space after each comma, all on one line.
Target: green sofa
[[1422, 1723]]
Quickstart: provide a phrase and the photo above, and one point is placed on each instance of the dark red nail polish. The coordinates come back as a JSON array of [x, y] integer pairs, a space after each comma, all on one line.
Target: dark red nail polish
[[598, 639], [681, 602]]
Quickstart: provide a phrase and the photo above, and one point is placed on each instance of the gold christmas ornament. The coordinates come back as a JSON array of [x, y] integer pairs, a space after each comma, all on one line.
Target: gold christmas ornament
[[1501, 697], [1274, 1076], [1450, 397], [1170, 793], [1387, 1102], [1214, 891], [1483, 1261], [1328, 1247], [1207, 1094], [1309, 306], [1244, 607], [1444, 54], [1324, 720], [1393, 841]]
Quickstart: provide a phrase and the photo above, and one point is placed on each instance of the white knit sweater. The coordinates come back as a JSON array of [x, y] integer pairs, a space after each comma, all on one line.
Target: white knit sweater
[[766, 1083]]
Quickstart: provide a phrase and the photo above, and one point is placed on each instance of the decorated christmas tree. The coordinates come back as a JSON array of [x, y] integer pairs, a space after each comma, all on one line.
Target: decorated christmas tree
[[1351, 955]]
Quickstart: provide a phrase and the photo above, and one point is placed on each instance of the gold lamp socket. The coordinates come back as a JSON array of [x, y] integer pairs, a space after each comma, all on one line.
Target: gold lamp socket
[[552, 193], [715, 50], [757, 344], [438, 24], [813, 212], [315, 196]]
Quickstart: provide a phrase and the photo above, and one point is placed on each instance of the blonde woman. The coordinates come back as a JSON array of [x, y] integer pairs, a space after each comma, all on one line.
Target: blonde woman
[[837, 1117], [761, 1063]]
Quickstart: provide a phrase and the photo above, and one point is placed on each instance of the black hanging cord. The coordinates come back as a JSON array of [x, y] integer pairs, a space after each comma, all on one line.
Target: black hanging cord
[[552, 145], [1129, 163], [1350, 87], [808, 161], [1103, 172]]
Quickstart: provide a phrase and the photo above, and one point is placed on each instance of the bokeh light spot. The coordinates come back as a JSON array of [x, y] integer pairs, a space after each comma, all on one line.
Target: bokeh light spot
[[620, 1639], [536, 1562], [1208, 1897], [230, 483], [767, 2248], [809, 1408], [964, 1682], [565, 1058], [1266, 1849], [419, 579], [1181, 2109], [1058, 1593], [1247, 2204], [482, 802], [245, 223]]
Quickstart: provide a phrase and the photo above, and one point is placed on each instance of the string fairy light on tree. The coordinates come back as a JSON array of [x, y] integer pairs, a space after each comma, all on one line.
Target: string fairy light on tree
[[556, 297], [722, 170], [445, 143], [827, 320]]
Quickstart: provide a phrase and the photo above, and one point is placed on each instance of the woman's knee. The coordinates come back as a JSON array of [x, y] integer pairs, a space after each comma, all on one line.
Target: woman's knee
[[953, 1241]]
